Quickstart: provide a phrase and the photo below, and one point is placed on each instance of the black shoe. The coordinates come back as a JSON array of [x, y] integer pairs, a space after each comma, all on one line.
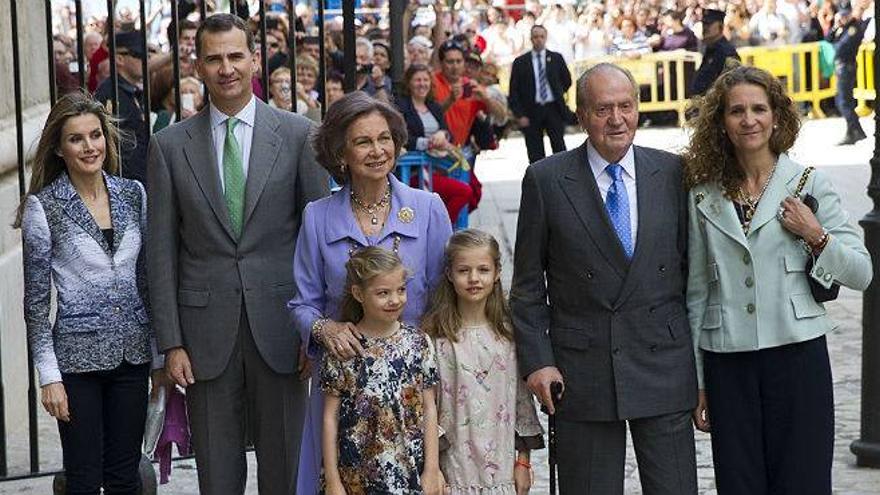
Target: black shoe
[[851, 138], [860, 135]]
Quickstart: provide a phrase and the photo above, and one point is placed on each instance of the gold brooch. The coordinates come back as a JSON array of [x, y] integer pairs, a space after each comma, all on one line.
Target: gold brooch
[[406, 214]]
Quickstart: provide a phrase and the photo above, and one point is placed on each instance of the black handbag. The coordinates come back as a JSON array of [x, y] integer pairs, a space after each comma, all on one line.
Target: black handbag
[[820, 293]]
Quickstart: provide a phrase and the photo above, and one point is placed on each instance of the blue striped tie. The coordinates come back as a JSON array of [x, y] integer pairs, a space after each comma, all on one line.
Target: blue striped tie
[[617, 205], [542, 80]]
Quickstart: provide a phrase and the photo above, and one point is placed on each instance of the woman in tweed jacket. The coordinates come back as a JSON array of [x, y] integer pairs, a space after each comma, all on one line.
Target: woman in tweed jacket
[[82, 230]]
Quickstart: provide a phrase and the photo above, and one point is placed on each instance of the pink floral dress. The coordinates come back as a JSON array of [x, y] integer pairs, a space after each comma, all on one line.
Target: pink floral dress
[[485, 410]]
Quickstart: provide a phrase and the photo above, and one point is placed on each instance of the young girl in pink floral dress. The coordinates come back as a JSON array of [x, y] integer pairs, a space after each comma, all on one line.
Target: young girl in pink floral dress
[[486, 411]]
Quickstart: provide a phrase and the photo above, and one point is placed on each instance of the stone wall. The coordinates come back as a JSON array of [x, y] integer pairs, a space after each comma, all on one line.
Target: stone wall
[[35, 95]]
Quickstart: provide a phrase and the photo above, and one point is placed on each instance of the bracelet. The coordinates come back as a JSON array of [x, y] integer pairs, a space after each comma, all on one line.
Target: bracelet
[[522, 463], [821, 242], [318, 329]]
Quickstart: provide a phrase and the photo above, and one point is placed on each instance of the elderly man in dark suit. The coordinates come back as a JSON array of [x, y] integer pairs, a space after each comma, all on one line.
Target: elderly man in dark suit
[[598, 299], [538, 82], [228, 187]]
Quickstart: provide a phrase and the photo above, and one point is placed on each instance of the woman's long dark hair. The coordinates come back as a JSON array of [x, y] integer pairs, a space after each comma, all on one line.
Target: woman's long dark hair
[[47, 164]]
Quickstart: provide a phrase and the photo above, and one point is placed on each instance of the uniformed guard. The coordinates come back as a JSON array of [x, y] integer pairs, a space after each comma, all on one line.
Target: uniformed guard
[[846, 36], [716, 51], [130, 50]]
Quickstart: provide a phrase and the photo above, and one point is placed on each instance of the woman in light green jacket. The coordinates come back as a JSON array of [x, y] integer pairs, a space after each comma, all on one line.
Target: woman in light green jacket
[[759, 333]]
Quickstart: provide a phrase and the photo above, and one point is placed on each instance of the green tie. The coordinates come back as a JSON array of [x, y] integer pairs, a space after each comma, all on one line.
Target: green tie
[[233, 176]]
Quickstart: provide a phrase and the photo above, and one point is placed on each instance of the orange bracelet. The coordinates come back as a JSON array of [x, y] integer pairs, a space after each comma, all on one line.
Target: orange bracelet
[[524, 464]]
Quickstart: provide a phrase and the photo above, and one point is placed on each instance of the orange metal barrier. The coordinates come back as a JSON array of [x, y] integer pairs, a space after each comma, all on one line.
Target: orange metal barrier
[[798, 67], [664, 77], [865, 85]]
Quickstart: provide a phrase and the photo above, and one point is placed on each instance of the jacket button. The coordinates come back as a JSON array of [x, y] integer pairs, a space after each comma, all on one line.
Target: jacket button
[[750, 282], [661, 268], [828, 277], [820, 271], [750, 308], [117, 309], [747, 259], [589, 274], [616, 351]]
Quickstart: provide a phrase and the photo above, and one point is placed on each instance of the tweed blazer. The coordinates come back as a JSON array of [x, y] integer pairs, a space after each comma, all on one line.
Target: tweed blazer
[[747, 293], [102, 317]]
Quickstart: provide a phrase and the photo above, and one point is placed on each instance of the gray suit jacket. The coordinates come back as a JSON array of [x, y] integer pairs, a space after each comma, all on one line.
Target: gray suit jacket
[[199, 273], [616, 329]]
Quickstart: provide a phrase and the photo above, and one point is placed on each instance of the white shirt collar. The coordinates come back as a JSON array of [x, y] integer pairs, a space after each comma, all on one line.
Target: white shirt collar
[[542, 53], [598, 164], [245, 115]]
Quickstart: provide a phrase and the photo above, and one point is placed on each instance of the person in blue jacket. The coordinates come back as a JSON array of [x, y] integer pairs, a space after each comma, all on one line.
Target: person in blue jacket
[[717, 50], [846, 36]]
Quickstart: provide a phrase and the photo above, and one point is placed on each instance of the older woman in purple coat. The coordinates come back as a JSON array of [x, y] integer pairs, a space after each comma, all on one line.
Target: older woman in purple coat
[[358, 143]]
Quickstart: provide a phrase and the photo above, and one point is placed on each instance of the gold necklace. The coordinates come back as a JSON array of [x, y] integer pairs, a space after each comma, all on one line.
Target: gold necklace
[[750, 204], [372, 208]]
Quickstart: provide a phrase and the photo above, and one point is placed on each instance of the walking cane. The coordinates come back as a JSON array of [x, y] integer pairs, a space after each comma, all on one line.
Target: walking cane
[[555, 392]]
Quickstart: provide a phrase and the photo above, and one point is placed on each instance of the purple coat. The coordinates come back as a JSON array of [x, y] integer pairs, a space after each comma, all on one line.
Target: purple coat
[[328, 233]]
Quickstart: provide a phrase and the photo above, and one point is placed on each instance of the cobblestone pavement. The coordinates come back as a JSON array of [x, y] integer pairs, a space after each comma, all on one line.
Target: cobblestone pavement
[[501, 172]]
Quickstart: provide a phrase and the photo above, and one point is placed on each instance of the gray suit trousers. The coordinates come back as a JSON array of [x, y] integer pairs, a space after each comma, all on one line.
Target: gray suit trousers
[[248, 396], [591, 455]]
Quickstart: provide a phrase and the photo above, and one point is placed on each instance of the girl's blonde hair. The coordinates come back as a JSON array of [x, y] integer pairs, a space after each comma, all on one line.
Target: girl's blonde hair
[[443, 319], [365, 265]]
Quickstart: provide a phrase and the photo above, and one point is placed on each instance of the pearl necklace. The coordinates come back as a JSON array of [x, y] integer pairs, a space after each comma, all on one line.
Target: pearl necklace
[[372, 208]]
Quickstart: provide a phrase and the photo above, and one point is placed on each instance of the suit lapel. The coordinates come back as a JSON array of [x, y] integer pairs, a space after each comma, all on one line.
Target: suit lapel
[[264, 152], [579, 186], [649, 212], [118, 210], [202, 160], [78, 212], [719, 211], [782, 184]]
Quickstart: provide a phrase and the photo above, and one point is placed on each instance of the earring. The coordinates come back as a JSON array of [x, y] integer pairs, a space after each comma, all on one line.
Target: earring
[[776, 126], [342, 167]]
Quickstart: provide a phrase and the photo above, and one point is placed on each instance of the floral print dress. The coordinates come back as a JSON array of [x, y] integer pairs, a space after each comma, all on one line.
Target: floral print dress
[[381, 420], [485, 410]]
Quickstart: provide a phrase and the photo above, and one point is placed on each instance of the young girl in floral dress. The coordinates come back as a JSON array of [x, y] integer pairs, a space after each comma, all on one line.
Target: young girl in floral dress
[[486, 411], [380, 418]]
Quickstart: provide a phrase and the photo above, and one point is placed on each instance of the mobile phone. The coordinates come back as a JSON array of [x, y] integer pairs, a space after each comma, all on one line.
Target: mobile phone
[[467, 90]]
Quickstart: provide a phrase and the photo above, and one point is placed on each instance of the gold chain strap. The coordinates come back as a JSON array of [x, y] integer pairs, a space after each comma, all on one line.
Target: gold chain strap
[[803, 181]]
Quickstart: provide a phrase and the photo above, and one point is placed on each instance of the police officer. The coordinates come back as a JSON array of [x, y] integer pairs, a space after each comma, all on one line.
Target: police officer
[[846, 36], [130, 50], [716, 51]]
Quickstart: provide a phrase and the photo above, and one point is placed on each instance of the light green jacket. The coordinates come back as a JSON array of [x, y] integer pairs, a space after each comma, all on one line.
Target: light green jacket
[[750, 293]]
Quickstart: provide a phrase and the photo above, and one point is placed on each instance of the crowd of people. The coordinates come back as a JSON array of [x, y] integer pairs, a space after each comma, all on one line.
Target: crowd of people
[[363, 345]]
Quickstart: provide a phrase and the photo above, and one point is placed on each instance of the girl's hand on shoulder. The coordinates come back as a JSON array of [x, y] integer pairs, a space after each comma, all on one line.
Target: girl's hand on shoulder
[[522, 479], [54, 399], [433, 482]]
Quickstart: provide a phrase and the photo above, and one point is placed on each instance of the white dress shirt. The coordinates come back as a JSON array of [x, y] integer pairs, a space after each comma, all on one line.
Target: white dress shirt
[[538, 58], [244, 134], [604, 181]]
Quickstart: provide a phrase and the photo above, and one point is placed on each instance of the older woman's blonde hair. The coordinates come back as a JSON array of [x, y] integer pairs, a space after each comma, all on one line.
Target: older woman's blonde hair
[[306, 61], [710, 156]]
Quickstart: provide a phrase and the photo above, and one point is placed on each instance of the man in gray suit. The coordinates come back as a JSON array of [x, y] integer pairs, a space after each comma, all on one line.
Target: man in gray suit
[[598, 299], [227, 189]]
